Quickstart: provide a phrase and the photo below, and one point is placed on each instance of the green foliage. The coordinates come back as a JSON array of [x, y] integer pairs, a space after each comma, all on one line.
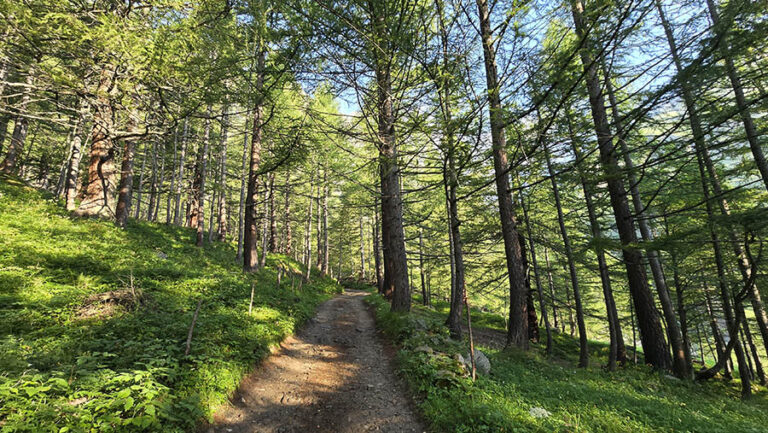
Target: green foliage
[[67, 366], [633, 399]]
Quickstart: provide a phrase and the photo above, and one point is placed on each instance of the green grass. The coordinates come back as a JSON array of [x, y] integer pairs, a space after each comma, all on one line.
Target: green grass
[[632, 399], [126, 371]]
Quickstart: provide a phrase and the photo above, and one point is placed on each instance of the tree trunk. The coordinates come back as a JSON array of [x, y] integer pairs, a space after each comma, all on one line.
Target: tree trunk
[[326, 248], [618, 351], [243, 184], [537, 277], [126, 176], [197, 217], [362, 250], [517, 334], [153, 179], [140, 185], [265, 225], [551, 286], [250, 244], [680, 363], [180, 181], [73, 165], [172, 187], [272, 215], [223, 229], [377, 249], [288, 240], [99, 192], [395, 259], [20, 128], [651, 333], [422, 277], [702, 151], [308, 233], [738, 91], [583, 344]]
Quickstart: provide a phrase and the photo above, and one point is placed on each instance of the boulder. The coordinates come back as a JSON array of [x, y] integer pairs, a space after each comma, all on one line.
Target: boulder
[[482, 363]]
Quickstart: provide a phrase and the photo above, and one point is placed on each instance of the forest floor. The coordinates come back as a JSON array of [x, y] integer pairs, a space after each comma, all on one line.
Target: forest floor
[[530, 392], [333, 376]]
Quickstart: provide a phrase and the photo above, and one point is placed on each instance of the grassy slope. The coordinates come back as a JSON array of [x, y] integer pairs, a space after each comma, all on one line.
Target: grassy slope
[[633, 399], [127, 371]]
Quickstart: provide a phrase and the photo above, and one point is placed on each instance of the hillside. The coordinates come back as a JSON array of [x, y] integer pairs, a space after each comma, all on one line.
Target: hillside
[[632, 399], [74, 361]]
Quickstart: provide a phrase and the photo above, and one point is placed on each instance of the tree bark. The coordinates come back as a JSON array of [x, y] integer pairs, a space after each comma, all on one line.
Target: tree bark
[[326, 248], [537, 277], [243, 185], [395, 259], [76, 155], [197, 218], [177, 215], [288, 239], [250, 244], [583, 344], [377, 249], [517, 334], [99, 192], [308, 233], [172, 187], [272, 215], [153, 179], [126, 177], [223, 229], [651, 333]]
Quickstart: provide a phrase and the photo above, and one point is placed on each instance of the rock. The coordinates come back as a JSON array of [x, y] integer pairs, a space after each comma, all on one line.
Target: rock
[[425, 349], [482, 363], [539, 412], [161, 255]]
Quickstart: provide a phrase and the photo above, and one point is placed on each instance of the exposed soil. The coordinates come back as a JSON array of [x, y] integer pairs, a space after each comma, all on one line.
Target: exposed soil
[[333, 376]]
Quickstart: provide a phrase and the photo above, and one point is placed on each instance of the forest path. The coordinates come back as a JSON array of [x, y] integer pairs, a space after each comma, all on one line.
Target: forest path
[[333, 376]]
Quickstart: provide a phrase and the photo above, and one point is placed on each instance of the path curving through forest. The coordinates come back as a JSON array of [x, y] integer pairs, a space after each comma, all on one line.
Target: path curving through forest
[[333, 376]]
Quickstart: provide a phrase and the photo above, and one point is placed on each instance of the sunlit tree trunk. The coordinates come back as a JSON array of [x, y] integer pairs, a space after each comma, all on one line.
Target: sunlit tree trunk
[[99, 197], [250, 241], [651, 332], [517, 333]]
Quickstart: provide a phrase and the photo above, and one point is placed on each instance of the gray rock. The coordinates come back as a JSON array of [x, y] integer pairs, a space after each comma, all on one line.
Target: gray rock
[[425, 349], [482, 363], [161, 255]]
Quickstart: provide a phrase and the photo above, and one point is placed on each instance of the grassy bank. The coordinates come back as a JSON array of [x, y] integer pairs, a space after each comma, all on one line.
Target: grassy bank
[[633, 399], [70, 361]]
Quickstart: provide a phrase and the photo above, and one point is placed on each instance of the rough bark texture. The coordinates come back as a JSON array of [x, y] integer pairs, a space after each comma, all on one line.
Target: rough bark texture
[[288, 239], [250, 243], [272, 215], [651, 333], [377, 249], [126, 180], [395, 260], [99, 192], [517, 334]]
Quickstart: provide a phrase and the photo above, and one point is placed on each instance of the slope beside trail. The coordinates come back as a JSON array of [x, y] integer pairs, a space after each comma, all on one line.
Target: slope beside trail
[[333, 376]]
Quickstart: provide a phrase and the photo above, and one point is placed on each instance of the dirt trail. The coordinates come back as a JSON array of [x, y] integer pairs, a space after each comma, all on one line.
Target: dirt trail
[[333, 376]]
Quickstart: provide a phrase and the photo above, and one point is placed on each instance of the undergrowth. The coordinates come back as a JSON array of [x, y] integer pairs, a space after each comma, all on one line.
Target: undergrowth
[[632, 399], [66, 366]]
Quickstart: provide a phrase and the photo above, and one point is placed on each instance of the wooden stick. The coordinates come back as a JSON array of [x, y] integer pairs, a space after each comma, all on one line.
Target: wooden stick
[[192, 327], [250, 306]]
